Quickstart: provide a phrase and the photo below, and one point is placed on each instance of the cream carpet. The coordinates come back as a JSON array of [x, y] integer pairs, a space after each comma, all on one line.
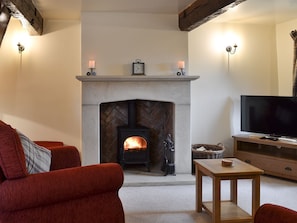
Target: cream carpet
[[174, 203]]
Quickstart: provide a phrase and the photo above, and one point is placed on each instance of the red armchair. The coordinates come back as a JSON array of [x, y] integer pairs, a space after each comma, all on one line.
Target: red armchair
[[271, 213], [68, 193]]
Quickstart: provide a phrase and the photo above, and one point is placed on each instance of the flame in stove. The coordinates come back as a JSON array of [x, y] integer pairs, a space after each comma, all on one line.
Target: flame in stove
[[135, 143]]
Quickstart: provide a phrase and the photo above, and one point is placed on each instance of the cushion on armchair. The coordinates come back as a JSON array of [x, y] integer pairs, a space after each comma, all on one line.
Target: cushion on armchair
[[38, 158], [12, 157]]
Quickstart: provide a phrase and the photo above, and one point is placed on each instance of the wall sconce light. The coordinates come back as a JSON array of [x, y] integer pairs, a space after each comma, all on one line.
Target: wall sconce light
[[181, 67], [92, 65], [231, 50], [21, 48]]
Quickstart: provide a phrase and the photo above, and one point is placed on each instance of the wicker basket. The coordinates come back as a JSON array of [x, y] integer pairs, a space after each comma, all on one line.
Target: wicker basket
[[211, 152]]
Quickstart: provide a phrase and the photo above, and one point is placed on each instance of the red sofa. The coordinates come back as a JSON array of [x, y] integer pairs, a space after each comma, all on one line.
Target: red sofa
[[68, 193], [271, 213]]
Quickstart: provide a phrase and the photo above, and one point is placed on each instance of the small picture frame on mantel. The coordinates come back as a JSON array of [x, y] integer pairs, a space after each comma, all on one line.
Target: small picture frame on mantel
[[138, 67]]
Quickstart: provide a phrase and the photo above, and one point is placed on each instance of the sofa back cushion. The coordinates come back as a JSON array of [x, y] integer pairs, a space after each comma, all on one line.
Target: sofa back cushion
[[12, 157]]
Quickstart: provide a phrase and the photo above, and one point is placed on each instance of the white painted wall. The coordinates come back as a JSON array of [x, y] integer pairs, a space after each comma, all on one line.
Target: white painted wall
[[216, 96], [39, 94], [115, 40]]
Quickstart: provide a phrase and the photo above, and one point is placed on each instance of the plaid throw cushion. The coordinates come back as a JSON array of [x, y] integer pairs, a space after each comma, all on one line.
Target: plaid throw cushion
[[38, 158]]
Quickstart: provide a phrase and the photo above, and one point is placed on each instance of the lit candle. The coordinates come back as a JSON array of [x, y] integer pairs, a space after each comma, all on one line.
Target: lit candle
[[181, 64], [92, 63]]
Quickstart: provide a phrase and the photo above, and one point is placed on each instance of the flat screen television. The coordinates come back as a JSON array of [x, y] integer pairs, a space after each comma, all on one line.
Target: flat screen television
[[270, 115]]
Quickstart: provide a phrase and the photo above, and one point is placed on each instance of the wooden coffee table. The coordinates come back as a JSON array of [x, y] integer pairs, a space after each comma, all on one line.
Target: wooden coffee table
[[227, 211]]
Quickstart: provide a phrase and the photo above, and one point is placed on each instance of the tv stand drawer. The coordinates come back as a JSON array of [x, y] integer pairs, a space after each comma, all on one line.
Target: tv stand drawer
[[270, 165], [274, 159]]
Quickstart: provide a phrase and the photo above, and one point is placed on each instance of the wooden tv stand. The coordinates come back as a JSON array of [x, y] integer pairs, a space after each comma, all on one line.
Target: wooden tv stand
[[277, 158]]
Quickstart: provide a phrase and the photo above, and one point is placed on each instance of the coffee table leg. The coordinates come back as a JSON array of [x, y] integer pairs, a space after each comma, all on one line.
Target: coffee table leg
[[255, 194], [198, 189], [233, 190], [216, 215]]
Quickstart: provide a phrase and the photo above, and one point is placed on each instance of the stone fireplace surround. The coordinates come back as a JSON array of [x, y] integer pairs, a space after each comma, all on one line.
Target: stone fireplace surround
[[102, 89]]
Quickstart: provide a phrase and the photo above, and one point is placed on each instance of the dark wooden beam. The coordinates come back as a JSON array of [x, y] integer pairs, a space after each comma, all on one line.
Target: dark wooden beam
[[27, 13], [202, 11], [4, 20]]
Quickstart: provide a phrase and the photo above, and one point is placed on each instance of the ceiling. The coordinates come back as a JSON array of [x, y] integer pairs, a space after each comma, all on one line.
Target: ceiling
[[250, 11], [71, 9], [261, 12]]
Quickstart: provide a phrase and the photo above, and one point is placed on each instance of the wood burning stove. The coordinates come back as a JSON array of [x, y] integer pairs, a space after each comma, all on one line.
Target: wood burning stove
[[134, 146], [133, 141]]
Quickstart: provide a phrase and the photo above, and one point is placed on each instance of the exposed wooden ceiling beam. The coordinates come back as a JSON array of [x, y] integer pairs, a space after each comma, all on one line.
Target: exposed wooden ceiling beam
[[27, 13], [4, 20], [202, 11]]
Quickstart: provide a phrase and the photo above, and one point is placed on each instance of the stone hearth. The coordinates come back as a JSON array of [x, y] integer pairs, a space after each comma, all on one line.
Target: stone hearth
[[97, 90]]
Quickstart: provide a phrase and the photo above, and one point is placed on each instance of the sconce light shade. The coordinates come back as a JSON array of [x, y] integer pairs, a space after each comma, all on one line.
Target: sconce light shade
[[21, 48], [231, 50]]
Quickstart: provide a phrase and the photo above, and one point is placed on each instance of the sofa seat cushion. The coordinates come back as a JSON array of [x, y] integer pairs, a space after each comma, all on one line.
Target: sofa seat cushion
[[12, 157], [38, 158]]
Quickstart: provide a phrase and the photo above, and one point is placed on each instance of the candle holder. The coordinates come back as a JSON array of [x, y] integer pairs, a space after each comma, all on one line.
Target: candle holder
[[91, 72], [181, 67], [92, 65], [181, 72]]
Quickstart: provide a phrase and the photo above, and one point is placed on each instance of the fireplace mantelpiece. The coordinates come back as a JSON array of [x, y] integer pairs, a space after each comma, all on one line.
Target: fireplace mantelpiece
[[102, 89], [135, 78]]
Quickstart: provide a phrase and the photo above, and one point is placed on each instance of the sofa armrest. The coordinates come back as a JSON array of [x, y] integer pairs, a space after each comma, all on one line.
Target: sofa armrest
[[275, 214], [48, 144], [60, 186], [63, 156]]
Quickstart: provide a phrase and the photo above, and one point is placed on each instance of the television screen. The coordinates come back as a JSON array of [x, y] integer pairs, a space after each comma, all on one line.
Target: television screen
[[271, 115]]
